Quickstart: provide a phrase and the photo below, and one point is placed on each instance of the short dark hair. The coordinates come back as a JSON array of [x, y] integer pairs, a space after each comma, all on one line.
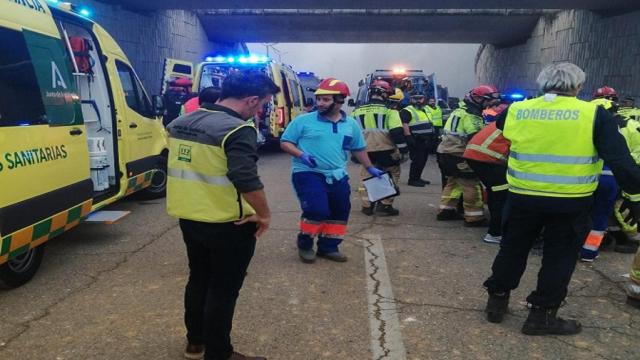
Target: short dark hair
[[209, 95], [242, 84]]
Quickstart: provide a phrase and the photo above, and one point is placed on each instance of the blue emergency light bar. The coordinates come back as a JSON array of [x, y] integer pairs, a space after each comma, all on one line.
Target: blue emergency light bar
[[83, 11], [516, 96], [306, 73], [241, 59]]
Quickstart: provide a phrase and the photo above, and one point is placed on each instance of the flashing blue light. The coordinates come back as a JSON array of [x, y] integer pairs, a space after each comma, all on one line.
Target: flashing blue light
[[242, 59], [85, 12], [516, 96], [54, 2]]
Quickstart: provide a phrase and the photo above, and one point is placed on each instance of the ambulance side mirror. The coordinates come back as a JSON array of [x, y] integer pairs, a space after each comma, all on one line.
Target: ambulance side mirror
[[351, 103], [158, 105]]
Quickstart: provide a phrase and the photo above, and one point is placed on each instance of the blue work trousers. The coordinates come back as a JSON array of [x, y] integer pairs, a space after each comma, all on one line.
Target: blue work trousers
[[604, 200], [325, 210]]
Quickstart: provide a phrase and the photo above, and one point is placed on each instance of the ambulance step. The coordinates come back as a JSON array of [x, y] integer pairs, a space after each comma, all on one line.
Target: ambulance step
[[106, 217]]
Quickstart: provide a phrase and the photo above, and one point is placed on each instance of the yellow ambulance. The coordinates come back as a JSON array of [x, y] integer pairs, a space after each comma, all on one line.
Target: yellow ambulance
[[77, 129], [275, 117]]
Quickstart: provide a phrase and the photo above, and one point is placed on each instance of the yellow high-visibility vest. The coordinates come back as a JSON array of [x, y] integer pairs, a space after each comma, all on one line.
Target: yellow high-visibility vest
[[552, 151], [198, 188]]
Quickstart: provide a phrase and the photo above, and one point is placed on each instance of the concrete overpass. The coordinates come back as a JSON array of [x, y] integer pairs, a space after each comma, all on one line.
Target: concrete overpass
[[518, 37], [498, 22]]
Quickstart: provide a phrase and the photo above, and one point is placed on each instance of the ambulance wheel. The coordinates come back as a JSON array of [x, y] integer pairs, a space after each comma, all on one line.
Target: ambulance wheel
[[19, 270], [158, 187]]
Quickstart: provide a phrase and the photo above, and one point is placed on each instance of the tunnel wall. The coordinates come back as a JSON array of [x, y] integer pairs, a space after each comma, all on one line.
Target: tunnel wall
[[147, 38], [607, 48]]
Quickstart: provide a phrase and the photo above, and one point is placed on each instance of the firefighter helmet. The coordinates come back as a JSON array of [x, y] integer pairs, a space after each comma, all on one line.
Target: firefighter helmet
[[605, 92], [331, 86], [488, 92], [397, 96], [380, 84]]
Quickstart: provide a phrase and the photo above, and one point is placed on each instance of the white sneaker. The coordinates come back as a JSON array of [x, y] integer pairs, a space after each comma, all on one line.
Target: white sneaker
[[492, 239]]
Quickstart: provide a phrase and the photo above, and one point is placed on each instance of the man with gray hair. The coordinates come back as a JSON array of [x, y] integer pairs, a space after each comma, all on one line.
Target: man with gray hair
[[557, 142]]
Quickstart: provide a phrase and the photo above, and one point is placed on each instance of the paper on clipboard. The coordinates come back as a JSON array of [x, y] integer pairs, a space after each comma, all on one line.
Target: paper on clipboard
[[380, 188]]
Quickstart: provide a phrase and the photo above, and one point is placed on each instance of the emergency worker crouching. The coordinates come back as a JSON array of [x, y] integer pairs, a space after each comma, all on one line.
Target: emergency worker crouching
[[462, 125], [605, 228]]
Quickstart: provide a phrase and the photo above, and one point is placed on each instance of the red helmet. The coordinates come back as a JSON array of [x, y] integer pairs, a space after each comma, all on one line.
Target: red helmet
[[381, 84], [488, 92], [605, 92], [333, 86]]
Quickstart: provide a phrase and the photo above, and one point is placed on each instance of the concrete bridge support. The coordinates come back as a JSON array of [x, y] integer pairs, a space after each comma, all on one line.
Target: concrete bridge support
[[607, 48]]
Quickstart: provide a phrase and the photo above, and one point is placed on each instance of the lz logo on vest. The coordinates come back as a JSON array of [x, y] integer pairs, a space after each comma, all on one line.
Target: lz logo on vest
[[184, 153]]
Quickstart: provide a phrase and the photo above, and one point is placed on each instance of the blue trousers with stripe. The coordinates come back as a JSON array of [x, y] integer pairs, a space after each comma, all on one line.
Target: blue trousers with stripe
[[322, 202]]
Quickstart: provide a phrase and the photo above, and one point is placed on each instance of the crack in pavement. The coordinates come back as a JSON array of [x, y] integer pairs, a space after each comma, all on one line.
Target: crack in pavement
[[376, 305], [93, 279], [385, 333]]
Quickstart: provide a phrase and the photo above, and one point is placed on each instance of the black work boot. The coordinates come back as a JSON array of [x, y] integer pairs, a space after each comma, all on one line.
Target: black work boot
[[623, 243], [448, 214], [387, 210], [367, 210], [497, 307], [543, 321], [416, 183]]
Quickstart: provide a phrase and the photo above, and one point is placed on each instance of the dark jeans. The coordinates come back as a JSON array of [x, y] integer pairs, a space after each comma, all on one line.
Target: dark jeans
[[219, 255], [491, 176], [418, 153], [565, 224]]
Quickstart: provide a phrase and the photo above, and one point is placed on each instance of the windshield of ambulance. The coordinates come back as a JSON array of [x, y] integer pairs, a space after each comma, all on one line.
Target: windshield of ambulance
[[213, 74]]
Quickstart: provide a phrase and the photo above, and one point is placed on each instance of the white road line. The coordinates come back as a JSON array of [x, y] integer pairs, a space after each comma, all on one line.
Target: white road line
[[386, 337]]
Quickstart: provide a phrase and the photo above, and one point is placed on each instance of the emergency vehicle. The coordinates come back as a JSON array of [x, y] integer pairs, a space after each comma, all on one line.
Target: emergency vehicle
[[309, 82], [77, 129], [398, 77], [275, 117]]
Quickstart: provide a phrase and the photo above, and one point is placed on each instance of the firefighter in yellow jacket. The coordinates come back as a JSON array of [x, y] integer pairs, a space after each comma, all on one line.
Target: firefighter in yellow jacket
[[386, 143], [463, 123]]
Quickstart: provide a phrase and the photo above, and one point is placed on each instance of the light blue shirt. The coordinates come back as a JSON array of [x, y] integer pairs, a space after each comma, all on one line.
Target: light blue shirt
[[327, 141]]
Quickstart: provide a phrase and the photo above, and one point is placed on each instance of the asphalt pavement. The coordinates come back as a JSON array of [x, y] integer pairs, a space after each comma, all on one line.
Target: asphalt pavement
[[410, 290]]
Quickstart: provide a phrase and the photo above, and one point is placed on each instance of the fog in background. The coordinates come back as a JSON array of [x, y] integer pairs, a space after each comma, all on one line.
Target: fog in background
[[452, 63]]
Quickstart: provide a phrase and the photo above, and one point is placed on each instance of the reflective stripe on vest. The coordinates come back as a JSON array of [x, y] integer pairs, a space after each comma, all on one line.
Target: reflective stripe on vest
[[372, 117], [420, 121], [484, 147], [198, 187], [552, 151], [631, 197], [196, 176]]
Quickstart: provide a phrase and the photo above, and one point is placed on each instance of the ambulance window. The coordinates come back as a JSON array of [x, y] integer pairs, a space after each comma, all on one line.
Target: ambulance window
[[182, 69], [285, 90], [20, 101], [134, 94], [295, 91]]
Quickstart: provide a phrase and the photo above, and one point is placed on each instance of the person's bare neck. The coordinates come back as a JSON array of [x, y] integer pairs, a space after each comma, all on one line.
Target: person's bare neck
[[334, 116], [233, 104]]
